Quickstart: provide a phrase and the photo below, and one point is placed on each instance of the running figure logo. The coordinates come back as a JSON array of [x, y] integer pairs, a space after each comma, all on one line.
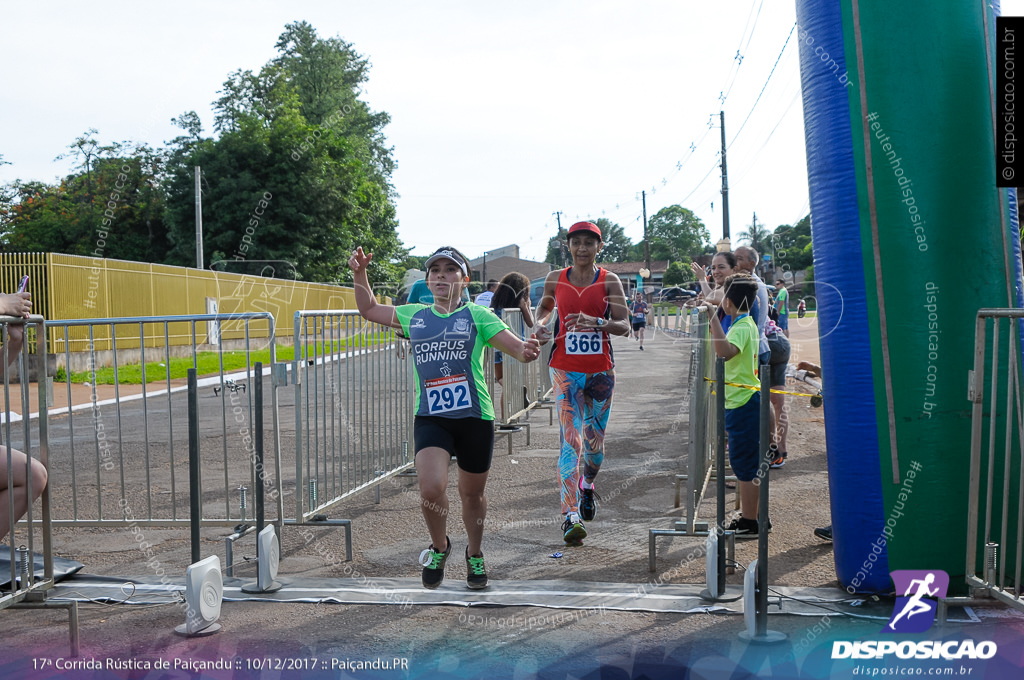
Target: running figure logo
[[915, 610]]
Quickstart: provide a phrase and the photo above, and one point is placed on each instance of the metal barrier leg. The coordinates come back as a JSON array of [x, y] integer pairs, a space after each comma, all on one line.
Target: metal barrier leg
[[228, 545], [700, 529], [72, 608], [345, 523]]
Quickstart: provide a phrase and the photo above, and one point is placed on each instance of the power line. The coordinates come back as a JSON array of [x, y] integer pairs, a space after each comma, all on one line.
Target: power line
[[694, 146], [736, 136], [740, 52]]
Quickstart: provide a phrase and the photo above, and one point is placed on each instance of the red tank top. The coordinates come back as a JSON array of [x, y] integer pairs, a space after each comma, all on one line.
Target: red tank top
[[583, 351]]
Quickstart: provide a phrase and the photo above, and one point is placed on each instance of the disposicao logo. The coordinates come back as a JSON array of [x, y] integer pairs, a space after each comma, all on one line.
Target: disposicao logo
[[915, 613], [915, 610]]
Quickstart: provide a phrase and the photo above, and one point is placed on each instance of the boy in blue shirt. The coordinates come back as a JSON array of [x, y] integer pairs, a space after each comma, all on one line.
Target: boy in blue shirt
[[742, 406]]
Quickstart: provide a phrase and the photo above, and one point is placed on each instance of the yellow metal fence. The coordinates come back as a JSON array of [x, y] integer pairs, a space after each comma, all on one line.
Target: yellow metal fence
[[74, 287]]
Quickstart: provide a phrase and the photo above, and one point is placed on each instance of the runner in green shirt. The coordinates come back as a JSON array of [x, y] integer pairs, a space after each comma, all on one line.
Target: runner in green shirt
[[454, 414]]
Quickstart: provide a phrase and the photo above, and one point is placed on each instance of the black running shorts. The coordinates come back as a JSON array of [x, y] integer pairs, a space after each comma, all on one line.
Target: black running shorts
[[470, 440]]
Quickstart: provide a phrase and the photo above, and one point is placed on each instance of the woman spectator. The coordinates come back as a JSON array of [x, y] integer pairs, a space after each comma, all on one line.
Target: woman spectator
[[723, 265], [512, 292]]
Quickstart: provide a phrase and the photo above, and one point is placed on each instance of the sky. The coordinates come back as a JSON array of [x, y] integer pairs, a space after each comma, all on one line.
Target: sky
[[501, 114]]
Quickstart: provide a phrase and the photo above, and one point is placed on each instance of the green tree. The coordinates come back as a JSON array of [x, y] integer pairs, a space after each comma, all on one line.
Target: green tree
[[636, 252], [558, 254], [792, 245], [677, 274], [676, 234], [299, 171], [616, 244], [757, 237], [112, 206]]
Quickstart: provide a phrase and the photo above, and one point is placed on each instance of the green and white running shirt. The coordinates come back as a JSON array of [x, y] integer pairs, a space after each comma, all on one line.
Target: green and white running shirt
[[448, 357]]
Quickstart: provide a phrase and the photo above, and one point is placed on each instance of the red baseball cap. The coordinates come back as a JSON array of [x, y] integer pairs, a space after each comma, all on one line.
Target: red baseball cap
[[585, 226]]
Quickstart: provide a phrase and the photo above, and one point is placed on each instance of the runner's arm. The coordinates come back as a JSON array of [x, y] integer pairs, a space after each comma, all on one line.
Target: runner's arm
[[524, 307], [619, 323], [369, 308], [618, 311], [524, 351], [546, 306]]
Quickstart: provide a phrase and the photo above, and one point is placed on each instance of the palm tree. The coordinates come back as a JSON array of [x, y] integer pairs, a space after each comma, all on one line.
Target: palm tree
[[757, 235]]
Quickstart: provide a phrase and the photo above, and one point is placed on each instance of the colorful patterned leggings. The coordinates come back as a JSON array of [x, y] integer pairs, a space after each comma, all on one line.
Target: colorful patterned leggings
[[584, 401]]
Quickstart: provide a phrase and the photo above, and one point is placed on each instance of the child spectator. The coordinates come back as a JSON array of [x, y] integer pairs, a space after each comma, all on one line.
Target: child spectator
[[742, 406]]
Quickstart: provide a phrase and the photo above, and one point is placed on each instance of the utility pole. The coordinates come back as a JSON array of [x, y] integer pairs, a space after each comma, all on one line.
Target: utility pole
[[561, 243], [647, 242], [199, 222], [753, 232], [725, 185]]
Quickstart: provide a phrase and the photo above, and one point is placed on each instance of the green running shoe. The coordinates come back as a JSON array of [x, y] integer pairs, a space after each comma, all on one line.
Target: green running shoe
[[433, 565], [476, 573]]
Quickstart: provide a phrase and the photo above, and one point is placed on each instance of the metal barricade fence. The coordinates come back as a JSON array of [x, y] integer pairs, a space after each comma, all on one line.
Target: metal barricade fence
[[26, 588], [354, 395], [17, 434], [520, 381], [704, 430], [121, 457], [545, 390], [703, 418], [995, 524]]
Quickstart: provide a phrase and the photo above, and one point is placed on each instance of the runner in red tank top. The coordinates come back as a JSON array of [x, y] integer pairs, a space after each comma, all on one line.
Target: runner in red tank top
[[591, 308]]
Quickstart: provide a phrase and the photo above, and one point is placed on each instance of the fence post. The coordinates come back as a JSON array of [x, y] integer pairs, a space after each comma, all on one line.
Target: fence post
[[194, 483], [257, 426], [760, 633]]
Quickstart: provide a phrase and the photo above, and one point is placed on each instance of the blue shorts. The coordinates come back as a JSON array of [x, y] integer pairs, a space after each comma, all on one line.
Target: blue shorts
[[743, 425], [783, 322]]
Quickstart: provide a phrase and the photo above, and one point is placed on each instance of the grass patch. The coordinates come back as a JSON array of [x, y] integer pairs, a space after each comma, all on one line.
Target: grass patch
[[209, 363], [670, 306]]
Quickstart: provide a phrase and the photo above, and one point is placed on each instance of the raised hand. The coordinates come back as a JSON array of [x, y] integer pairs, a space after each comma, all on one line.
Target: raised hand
[[359, 260]]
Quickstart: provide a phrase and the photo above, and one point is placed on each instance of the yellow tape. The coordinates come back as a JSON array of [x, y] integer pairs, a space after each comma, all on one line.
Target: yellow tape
[[755, 388]]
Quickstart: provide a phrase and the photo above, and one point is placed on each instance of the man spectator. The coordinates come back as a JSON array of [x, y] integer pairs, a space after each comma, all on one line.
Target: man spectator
[[484, 298], [782, 305], [746, 261]]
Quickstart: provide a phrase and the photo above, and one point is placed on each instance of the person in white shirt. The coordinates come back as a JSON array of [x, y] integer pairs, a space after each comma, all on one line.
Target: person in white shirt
[[484, 298]]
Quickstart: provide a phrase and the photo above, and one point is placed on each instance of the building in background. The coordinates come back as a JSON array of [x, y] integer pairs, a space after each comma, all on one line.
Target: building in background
[[494, 264], [628, 271]]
